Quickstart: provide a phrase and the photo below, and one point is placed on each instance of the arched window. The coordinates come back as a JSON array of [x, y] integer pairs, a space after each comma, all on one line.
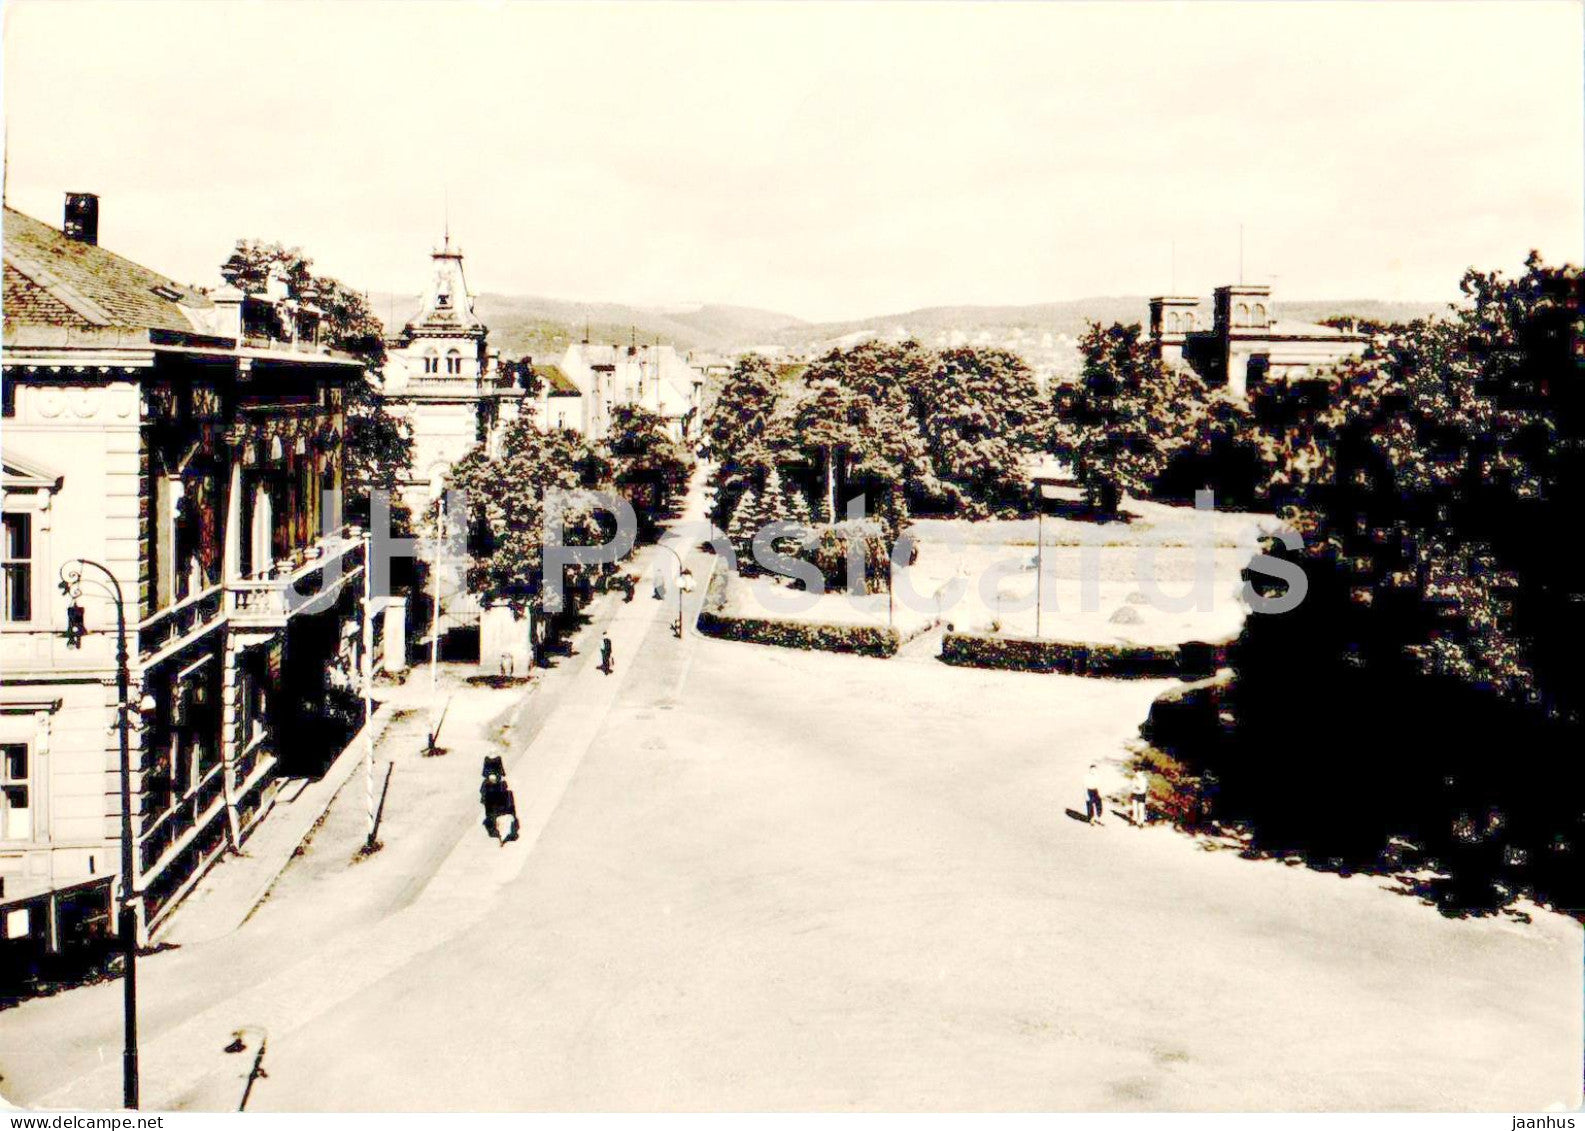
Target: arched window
[[453, 362], [1241, 315], [431, 361], [1188, 320], [1174, 324], [1260, 314]]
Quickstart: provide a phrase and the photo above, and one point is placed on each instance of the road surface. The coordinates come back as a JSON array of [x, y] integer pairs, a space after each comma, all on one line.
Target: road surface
[[754, 878]]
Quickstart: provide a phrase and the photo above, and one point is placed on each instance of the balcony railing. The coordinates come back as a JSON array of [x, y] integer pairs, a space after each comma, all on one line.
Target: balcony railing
[[171, 627], [283, 345], [306, 582]]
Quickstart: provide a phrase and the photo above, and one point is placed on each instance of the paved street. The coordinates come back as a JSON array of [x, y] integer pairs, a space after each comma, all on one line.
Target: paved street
[[759, 878]]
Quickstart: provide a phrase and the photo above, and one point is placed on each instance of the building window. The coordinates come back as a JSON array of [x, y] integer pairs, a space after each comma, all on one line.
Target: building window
[[1260, 314], [8, 398], [16, 808], [453, 362], [431, 362], [18, 564], [1241, 315]]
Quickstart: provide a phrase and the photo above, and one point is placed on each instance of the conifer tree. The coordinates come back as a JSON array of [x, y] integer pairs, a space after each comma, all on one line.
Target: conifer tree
[[740, 530]]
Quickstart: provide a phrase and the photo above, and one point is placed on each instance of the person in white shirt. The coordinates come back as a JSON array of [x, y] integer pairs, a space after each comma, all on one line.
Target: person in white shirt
[[1092, 794], [1139, 790]]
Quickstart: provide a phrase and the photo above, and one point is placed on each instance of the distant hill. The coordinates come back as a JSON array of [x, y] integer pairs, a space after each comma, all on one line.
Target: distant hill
[[526, 325], [1073, 318]]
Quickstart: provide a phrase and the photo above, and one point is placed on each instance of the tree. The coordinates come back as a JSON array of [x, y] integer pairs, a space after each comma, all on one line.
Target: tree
[[507, 508], [649, 467], [861, 427], [773, 501], [827, 424], [981, 413], [1219, 446], [1435, 654], [743, 408], [1124, 417], [797, 506], [746, 520]]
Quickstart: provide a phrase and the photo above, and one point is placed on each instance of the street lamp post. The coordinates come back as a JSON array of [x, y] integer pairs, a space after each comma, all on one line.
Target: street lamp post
[[684, 584], [434, 626], [71, 586], [367, 679]]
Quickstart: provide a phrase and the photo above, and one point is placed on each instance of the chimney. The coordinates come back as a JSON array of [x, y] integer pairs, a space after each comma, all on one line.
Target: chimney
[[82, 218]]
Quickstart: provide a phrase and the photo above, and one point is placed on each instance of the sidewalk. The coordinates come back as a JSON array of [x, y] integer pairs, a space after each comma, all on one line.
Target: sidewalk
[[237, 885], [352, 920]]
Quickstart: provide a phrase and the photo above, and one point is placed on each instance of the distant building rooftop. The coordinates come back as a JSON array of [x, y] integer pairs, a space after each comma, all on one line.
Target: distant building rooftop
[[557, 383]]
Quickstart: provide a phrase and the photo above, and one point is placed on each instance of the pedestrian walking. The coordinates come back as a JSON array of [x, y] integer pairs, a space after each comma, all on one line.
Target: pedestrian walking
[[1138, 792], [500, 807], [606, 662], [659, 585], [1092, 794]]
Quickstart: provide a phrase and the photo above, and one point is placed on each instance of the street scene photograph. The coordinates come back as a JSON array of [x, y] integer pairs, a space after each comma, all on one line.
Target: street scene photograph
[[682, 556]]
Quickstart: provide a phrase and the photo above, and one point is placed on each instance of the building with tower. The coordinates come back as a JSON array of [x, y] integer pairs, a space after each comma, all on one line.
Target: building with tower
[[442, 377], [1241, 342]]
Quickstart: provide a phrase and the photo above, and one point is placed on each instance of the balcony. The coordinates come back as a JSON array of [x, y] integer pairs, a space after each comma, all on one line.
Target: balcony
[[267, 344], [173, 628], [308, 582]]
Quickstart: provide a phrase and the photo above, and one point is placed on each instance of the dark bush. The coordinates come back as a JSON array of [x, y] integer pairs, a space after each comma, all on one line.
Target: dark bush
[[864, 640], [1121, 661]]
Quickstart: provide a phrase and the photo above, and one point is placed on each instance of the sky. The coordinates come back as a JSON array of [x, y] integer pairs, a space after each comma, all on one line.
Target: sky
[[827, 160]]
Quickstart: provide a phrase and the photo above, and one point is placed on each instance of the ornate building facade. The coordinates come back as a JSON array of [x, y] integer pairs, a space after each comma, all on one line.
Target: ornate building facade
[[191, 443], [441, 376]]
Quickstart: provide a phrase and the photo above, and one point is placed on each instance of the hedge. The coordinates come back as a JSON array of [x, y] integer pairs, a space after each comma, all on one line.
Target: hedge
[[860, 639], [1192, 660]]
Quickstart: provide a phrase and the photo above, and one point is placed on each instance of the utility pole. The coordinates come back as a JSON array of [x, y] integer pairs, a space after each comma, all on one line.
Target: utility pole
[[1040, 555]]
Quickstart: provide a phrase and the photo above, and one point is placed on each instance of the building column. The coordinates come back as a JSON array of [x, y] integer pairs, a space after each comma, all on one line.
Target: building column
[[232, 565]]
